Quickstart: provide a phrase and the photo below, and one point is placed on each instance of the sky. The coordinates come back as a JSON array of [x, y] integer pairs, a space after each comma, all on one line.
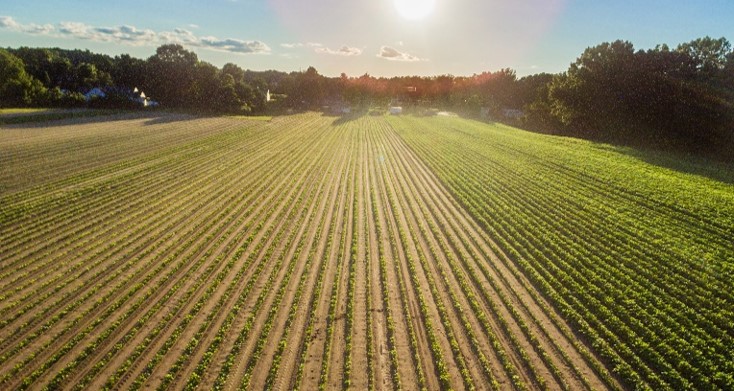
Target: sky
[[379, 37]]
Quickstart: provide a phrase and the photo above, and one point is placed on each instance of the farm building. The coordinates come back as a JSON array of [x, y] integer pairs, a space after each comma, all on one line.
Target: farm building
[[487, 113], [512, 113], [142, 99], [484, 112], [120, 93], [95, 92]]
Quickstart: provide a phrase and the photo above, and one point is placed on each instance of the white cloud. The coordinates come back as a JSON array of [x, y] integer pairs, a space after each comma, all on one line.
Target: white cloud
[[343, 51], [179, 35], [296, 45], [321, 49], [39, 29], [392, 54], [122, 34], [9, 23], [233, 45], [76, 29], [131, 35]]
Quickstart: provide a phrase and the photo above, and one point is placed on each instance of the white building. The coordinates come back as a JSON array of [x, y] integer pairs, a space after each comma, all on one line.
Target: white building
[[512, 113], [396, 110], [95, 92]]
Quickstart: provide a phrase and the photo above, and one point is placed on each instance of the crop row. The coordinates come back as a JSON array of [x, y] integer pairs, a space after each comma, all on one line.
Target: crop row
[[656, 327]]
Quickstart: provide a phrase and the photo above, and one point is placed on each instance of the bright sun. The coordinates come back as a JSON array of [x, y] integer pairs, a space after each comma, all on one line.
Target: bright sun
[[414, 9]]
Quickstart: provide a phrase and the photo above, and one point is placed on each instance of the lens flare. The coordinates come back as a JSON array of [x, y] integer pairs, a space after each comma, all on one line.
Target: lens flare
[[414, 9]]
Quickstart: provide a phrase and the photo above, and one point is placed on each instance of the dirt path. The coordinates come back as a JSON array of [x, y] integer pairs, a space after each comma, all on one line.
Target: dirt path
[[361, 368], [382, 365]]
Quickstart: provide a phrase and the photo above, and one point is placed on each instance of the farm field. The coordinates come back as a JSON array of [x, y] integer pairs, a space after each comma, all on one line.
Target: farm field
[[315, 252]]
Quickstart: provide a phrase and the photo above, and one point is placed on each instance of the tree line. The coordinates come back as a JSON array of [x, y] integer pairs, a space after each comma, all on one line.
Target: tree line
[[680, 97], [173, 76]]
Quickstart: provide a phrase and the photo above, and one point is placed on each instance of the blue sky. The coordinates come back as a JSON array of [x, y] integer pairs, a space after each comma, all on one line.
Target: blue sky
[[458, 37]]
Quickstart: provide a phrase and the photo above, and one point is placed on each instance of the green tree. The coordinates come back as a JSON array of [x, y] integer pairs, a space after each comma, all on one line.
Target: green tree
[[227, 94], [709, 55], [307, 90], [171, 73], [488, 90], [246, 95], [592, 95], [129, 72], [533, 94], [203, 91], [47, 66], [17, 88], [87, 76], [238, 75], [657, 97], [221, 90], [72, 70]]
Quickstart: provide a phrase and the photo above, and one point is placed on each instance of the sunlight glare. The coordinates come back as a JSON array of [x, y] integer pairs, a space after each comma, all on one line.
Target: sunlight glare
[[414, 9]]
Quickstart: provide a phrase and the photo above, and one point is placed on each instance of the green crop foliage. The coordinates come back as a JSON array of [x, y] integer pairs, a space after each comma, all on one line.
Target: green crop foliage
[[308, 252], [634, 249]]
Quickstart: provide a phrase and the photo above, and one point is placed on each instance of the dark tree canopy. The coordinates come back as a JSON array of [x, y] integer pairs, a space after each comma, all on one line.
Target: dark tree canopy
[[17, 88], [129, 72], [709, 55], [669, 98], [171, 74]]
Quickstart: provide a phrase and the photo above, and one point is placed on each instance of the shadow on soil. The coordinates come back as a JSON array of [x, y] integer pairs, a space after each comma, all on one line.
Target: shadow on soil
[[80, 117], [65, 118], [167, 118], [340, 119]]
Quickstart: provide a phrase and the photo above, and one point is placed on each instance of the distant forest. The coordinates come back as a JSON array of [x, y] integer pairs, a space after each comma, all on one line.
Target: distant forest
[[674, 98]]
